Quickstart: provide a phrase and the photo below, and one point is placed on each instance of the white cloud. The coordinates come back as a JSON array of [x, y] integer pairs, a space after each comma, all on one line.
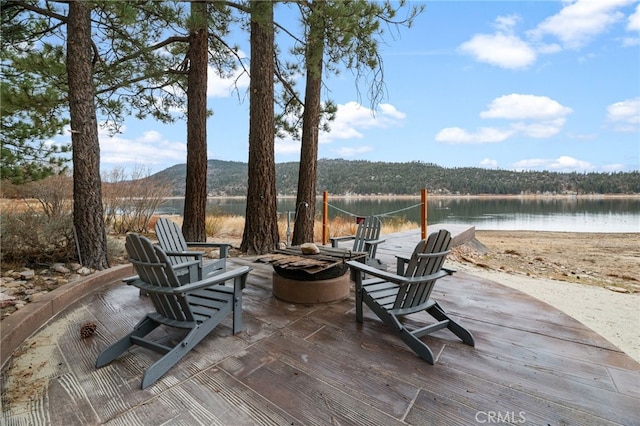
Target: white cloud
[[223, 87], [633, 23], [352, 118], [561, 164], [390, 113], [574, 26], [502, 50], [539, 130], [347, 152], [287, 146], [149, 149], [613, 167], [537, 117], [489, 163], [625, 115], [507, 23], [580, 21], [565, 163], [519, 106], [483, 135]]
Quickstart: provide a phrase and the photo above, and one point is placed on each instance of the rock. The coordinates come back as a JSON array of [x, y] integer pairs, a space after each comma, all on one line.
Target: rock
[[11, 283], [309, 248], [27, 274], [60, 268], [6, 300], [84, 271], [75, 266], [35, 297], [12, 291]]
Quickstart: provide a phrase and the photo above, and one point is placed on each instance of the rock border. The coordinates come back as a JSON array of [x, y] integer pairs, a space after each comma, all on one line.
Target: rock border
[[21, 324]]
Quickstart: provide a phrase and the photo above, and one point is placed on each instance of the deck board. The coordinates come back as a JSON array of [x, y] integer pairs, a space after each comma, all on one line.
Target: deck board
[[315, 365]]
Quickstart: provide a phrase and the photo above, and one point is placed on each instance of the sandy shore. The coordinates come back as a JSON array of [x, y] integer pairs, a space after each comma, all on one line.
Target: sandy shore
[[569, 272]]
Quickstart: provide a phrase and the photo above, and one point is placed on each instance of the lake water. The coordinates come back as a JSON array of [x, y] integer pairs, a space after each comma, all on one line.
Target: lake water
[[539, 214]]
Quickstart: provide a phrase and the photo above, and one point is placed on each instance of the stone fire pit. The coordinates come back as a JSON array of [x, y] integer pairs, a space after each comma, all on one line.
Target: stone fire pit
[[311, 278]]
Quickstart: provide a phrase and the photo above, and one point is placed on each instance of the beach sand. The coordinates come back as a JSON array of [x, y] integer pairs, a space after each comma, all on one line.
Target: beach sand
[[594, 278]]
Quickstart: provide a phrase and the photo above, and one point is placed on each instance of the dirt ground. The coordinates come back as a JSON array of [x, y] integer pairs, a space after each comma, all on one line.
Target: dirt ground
[[605, 260]]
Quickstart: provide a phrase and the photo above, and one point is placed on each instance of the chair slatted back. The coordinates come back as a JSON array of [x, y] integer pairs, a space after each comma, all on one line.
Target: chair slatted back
[[368, 229], [171, 239], [154, 268], [427, 258]]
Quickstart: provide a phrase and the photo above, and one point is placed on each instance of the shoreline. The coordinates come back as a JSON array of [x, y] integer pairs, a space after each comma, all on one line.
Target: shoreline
[[447, 196], [615, 316]]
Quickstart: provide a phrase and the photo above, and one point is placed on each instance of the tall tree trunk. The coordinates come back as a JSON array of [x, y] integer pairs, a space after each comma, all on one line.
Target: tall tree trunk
[[88, 213], [261, 226], [307, 174], [195, 198]]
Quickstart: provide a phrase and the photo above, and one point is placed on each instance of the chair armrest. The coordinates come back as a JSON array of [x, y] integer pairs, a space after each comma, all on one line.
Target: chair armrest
[[131, 279], [238, 274], [391, 277], [186, 265], [449, 271], [196, 254], [369, 243], [216, 279], [403, 260], [401, 263], [223, 247], [336, 240]]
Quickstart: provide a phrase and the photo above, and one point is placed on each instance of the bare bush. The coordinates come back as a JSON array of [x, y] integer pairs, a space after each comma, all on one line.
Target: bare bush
[[53, 194], [31, 237], [131, 200]]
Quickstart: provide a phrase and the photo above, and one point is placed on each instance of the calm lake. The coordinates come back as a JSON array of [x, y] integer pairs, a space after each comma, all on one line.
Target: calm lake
[[539, 214]]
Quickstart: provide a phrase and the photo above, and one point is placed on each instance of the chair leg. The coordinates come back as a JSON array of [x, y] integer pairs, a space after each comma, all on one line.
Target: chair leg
[[438, 313], [238, 284], [418, 346], [358, 280], [168, 360], [144, 327], [164, 364], [415, 344]]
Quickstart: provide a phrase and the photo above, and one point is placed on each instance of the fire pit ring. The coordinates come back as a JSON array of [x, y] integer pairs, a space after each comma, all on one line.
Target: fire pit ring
[[311, 292], [311, 278]]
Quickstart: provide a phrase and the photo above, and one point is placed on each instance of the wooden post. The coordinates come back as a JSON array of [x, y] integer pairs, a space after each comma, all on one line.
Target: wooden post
[[325, 218], [423, 213]]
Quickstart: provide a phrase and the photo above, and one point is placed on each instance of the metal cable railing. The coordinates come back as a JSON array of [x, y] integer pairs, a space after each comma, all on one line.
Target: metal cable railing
[[388, 214]]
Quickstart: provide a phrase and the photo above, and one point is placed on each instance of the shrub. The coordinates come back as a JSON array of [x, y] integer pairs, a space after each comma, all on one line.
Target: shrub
[[53, 194], [131, 200], [30, 238], [213, 225]]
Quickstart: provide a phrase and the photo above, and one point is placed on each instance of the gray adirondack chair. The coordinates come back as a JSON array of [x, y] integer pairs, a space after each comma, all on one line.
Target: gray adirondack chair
[[392, 296], [197, 306], [177, 248], [366, 239]]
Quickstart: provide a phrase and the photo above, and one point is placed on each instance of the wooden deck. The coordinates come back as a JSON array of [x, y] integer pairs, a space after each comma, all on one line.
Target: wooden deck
[[314, 365]]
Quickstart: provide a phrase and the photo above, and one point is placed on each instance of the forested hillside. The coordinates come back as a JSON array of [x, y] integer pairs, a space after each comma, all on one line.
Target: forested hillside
[[341, 177]]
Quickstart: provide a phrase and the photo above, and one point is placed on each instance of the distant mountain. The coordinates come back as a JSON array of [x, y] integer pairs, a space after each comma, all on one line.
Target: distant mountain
[[341, 177]]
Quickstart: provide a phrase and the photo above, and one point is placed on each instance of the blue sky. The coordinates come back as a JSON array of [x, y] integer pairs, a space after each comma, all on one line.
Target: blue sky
[[517, 85]]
